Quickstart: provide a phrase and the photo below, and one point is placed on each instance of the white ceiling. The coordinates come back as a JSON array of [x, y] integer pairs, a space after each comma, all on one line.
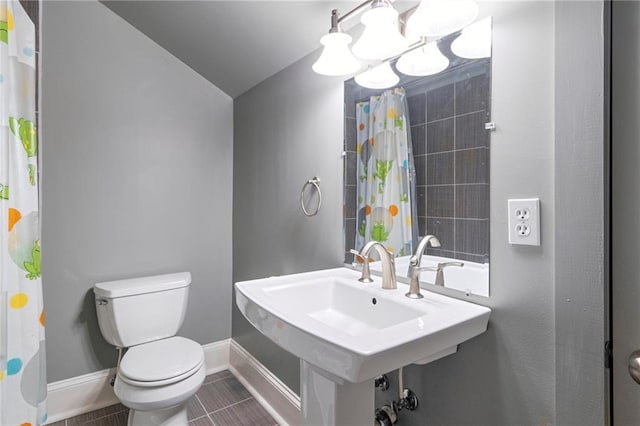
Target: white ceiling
[[233, 44]]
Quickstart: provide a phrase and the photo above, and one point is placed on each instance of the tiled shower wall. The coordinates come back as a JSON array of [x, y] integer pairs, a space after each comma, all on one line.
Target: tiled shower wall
[[447, 114]]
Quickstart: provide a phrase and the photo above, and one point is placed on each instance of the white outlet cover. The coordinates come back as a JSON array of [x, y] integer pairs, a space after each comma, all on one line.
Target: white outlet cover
[[524, 213]]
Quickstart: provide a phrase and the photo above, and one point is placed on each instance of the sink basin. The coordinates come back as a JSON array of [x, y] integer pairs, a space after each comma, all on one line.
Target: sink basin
[[353, 331]]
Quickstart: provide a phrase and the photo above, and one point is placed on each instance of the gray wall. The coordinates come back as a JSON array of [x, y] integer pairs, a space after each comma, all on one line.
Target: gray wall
[[580, 213], [287, 130], [506, 376], [136, 179], [510, 374]]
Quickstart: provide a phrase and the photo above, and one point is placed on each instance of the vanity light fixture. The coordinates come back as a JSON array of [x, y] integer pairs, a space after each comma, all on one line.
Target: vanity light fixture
[[381, 37], [435, 18], [382, 40], [423, 61], [474, 41], [336, 58], [378, 77]]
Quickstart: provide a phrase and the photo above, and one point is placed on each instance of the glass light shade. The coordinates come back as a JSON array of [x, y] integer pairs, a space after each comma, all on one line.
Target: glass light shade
[[336, 58], [380, 77], [379, 15], [426, 60], [441, 17], [474, 42], [381, 37]]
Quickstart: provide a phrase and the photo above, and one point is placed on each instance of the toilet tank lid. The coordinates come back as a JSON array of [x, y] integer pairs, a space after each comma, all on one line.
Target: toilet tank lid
[[141, 285]]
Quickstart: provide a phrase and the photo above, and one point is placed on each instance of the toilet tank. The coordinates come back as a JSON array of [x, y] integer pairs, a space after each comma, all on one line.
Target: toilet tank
[[139, 310]]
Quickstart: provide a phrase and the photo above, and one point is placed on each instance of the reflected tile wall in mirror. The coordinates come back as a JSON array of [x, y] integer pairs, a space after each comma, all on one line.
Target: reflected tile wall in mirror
[[447, 114]]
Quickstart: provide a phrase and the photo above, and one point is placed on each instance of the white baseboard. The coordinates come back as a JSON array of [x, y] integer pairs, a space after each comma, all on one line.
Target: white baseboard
[[89, 392], [216, 355], [280, 401], [78, 395]]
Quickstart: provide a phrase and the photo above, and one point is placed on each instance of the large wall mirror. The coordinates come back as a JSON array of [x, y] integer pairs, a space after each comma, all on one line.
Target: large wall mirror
[[417, 163]]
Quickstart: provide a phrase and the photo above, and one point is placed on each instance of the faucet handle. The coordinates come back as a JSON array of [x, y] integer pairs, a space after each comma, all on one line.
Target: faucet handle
[[428, 268], [445, 264], [440, 271], [357, 254], [366, 274], [414, 269]]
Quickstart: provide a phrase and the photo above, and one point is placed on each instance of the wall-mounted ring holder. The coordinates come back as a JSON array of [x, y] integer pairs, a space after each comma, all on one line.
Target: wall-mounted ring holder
[[315, 183]]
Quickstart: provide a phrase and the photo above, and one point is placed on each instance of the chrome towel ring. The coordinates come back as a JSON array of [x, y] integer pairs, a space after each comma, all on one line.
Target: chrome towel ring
[[315, 182]]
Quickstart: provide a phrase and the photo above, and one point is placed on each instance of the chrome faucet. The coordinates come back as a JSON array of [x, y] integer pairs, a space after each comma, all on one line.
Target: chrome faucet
[[388, 265], [414, 266], [440, 271]]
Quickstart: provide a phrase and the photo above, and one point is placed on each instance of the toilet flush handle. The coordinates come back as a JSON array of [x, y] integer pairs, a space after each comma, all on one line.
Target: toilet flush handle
[[102, 302]]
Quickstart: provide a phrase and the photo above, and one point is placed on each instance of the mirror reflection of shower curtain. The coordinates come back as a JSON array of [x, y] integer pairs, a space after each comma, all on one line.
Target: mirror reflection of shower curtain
[[385, 172]]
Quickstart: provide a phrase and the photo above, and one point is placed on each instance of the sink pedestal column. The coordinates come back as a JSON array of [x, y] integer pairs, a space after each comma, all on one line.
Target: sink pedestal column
[[334, 403]]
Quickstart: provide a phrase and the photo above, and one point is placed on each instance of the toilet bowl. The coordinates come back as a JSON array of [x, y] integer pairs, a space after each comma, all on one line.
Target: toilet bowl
[[160, 371], [155, 380]]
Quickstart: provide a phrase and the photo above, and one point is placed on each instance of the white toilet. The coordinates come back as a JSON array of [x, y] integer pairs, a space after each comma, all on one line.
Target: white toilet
[[160, 371]]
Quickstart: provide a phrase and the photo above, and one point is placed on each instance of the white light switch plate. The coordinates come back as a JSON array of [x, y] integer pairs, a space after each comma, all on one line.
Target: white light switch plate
[[524, 221]]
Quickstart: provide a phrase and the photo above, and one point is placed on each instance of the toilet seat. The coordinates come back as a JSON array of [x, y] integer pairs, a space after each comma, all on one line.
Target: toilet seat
[[153, 398], [161, 362]]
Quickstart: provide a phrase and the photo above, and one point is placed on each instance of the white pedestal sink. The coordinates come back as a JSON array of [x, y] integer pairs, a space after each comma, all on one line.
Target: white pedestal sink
[[346, 333]]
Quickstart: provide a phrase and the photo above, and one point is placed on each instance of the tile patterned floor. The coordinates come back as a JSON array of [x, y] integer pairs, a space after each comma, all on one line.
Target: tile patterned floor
[[221, 401]]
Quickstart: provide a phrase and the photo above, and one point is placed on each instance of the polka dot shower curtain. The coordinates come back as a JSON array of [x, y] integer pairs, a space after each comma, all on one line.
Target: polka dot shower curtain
[[22, 353], [385, 173]]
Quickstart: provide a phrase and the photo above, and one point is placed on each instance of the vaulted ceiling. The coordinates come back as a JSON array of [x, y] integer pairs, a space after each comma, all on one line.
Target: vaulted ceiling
[[233, 44]]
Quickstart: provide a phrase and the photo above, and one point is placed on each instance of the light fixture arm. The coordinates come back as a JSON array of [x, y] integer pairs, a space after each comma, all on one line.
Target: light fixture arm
[[350, 14], [417, 45], [356, 10], [335, 22]]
